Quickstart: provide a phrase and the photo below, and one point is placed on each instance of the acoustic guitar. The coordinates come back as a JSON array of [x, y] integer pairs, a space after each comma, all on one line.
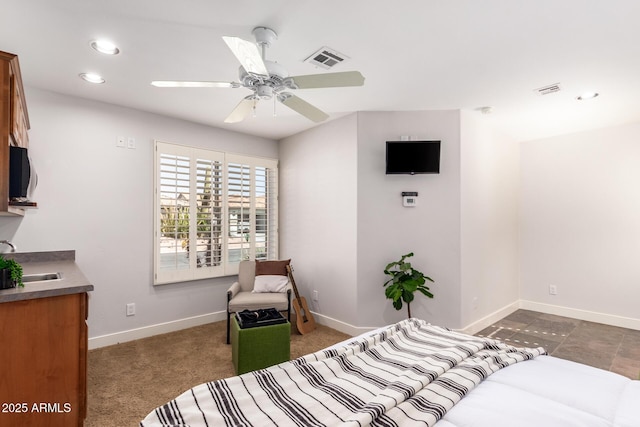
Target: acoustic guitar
[[304, 318]]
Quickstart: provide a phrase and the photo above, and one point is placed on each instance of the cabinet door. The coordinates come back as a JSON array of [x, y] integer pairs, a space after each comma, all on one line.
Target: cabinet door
[[5, 115], [19, 125], [41, 373]]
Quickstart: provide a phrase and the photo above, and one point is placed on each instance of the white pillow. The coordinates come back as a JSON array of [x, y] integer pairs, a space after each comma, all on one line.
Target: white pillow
[[270, 283]]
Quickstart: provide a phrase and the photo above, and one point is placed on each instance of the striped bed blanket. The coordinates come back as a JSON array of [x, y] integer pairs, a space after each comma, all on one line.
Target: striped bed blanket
[[408, 374]]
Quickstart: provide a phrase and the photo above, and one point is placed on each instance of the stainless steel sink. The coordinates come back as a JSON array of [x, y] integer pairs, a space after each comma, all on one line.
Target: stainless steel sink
[[41, 277]]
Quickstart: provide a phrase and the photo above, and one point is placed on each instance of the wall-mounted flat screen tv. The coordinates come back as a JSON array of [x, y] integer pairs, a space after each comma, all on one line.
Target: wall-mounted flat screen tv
[[413, 157]]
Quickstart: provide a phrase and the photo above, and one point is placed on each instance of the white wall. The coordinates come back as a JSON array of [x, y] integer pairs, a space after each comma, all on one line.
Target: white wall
[[463, 231], [342, 218], [97, 198], [318, 215], [387, 230], [580, 224], [489, 220]]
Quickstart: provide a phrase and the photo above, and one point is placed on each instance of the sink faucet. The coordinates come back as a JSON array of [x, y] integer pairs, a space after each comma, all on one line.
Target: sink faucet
[[8, 243]]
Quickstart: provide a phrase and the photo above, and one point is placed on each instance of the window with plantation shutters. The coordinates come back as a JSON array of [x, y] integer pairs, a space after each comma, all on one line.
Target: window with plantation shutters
[[252, 208], [212, 210]]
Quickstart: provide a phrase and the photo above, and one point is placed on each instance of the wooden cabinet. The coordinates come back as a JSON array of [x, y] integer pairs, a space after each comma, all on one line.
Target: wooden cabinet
[[19, 118], [43, 369], [14, 123]]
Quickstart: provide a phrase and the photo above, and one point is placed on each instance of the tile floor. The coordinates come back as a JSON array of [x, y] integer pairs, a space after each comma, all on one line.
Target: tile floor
[[603, 346]]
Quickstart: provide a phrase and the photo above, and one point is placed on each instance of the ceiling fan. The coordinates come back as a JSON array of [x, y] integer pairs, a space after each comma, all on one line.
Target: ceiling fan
[[269, 80]]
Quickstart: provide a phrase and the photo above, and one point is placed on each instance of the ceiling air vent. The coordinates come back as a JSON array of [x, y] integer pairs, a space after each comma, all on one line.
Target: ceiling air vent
[[546, 90], [326, 58]]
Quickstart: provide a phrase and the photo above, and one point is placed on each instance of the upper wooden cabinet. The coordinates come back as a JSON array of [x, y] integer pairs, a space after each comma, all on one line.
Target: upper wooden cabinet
[[14, 123], [19, 116]]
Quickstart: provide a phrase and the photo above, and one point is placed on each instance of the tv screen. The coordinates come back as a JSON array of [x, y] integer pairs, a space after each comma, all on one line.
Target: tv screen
[[412, 157]]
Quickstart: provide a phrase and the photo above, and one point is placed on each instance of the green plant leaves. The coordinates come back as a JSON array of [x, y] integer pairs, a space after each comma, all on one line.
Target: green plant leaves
[[404, 282], [14, 268]]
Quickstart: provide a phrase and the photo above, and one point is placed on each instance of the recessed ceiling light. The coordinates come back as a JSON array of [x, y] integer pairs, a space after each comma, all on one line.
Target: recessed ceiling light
[[587, 95], [92, 78], [105, 46]]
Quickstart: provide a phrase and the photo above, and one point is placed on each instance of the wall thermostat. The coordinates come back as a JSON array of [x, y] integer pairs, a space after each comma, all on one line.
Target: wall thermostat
[[409, 198]]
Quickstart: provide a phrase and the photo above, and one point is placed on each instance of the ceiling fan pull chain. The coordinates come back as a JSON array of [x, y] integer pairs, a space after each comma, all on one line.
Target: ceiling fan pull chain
[[274, 106]]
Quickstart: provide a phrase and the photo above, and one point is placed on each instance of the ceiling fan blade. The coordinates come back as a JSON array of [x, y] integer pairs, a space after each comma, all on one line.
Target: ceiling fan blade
[[175, 83], [242, 110], [248, 55], [342, 79], [301, 106]]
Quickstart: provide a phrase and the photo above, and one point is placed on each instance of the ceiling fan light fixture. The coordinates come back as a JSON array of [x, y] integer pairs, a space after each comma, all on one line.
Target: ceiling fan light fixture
[[105, 46], [92, 78], [264, 92]]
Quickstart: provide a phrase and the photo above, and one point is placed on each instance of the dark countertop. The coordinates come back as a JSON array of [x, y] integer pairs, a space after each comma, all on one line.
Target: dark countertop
[[73, 281]]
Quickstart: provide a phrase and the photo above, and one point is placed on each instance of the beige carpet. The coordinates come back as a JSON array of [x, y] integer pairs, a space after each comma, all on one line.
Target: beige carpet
[[127, 381]]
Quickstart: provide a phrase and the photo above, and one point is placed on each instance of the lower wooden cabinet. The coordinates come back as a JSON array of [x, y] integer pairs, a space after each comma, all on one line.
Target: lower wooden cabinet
[[43, 361]]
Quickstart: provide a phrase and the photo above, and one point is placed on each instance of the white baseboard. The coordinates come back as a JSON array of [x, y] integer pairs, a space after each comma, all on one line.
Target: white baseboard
[[149, 331], [591, 316], [176, 325], [341, 326], [475, 327], [490, 319]]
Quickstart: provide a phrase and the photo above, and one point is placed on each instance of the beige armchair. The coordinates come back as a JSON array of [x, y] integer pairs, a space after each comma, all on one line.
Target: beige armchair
[[240, 296]]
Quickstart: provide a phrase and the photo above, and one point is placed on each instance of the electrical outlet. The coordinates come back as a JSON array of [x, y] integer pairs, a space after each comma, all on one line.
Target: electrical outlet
[[553, 290], [131, 309], [131, 142], [315, 295]]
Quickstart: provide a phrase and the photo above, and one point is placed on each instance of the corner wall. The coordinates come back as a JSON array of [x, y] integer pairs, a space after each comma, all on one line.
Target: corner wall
[[489, 221]]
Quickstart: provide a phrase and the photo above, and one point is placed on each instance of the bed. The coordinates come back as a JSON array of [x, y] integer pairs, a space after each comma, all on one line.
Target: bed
[[410, 374]]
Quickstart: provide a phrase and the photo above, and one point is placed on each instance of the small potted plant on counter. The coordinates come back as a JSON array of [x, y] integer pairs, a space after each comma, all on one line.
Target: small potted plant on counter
[[405, 280], [10, 273]]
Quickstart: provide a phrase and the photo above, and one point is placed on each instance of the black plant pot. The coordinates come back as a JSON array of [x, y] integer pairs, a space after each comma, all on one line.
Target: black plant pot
[[5, 279]]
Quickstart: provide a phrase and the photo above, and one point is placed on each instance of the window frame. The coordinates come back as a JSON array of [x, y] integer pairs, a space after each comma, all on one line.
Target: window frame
[[227, 266]]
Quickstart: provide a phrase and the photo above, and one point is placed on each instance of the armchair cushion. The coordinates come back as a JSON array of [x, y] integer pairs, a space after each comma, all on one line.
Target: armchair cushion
[[270, 283], [255, 301]]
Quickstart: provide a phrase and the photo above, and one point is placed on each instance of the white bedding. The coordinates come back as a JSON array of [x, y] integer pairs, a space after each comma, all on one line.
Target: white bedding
[[549, 392], [545, 391]]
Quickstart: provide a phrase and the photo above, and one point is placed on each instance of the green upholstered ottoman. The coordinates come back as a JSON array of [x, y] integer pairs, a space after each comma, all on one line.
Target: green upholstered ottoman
[[259, 347]]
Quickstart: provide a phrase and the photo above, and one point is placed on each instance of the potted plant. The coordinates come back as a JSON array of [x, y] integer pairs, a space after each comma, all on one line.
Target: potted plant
[[404, 282], [11, 273]]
